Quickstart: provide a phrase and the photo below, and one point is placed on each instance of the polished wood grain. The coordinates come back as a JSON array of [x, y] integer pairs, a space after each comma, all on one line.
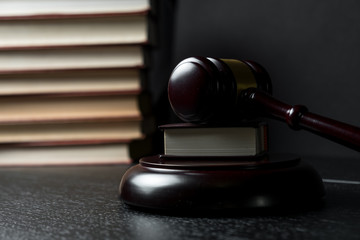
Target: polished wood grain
[[299, 117]]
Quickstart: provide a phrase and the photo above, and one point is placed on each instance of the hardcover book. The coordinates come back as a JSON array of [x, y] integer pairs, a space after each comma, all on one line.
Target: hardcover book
[[210, 141], [86, 30], [111, 80], [64, 8], [77, 153], [62, 58]]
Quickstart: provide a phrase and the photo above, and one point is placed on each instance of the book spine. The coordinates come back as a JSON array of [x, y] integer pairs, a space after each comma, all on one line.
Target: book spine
[[72, 16]]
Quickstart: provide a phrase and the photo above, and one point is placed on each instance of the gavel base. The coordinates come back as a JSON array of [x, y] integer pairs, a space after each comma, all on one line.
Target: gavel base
[[189, 184]]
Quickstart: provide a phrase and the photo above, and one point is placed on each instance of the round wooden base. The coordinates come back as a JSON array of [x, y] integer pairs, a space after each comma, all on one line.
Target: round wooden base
[[221, 183]]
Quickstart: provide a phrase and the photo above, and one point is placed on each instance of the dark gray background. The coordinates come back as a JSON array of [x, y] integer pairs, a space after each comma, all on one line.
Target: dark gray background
[[311, 50]]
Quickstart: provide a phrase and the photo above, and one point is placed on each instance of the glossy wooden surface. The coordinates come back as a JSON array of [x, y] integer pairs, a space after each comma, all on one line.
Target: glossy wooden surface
[[221, 184], [298, 117], [204, 89]]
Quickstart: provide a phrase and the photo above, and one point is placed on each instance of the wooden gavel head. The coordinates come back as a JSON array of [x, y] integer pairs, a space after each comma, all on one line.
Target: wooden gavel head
[[204, 89]]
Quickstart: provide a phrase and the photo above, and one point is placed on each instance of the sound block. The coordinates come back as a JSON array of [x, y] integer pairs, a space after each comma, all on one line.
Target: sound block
[[221, 183]]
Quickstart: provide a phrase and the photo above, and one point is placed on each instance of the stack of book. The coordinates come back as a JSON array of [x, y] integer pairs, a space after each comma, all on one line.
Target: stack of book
[[72, 81]]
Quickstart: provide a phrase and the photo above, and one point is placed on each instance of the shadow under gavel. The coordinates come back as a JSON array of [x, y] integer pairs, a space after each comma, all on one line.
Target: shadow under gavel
[[211, 90]]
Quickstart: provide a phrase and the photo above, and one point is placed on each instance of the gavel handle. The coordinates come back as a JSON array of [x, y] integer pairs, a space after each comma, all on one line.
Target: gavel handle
[[298, 117]]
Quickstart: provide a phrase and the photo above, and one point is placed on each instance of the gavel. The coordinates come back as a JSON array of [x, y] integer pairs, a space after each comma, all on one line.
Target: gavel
[[221, 92], [211, 90]]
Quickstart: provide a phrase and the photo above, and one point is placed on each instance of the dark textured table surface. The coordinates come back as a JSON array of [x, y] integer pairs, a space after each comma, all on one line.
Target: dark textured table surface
[[82, 203]]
